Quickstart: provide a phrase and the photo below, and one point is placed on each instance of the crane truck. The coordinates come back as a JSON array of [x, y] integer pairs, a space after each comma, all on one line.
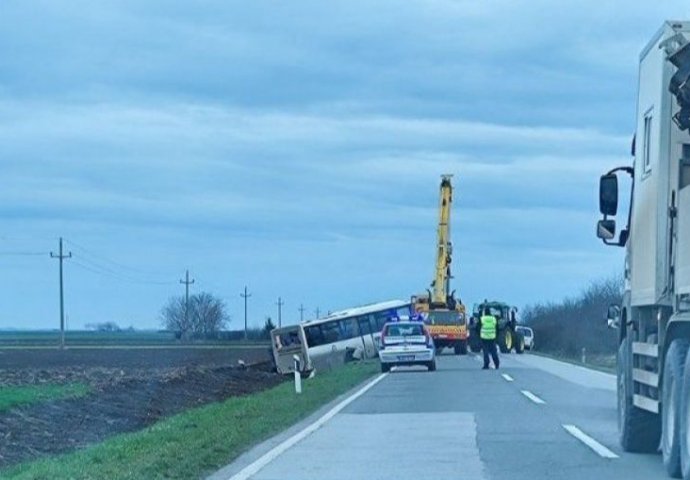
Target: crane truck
[[653, 319], [443, 313]]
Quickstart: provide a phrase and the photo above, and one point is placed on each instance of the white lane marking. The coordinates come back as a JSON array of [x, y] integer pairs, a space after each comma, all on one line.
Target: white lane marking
[[507, 377], [601, 450], [268, 457], [533, 397]]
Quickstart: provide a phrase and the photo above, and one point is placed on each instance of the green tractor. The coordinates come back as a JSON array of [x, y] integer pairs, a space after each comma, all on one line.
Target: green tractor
[[509, 338]]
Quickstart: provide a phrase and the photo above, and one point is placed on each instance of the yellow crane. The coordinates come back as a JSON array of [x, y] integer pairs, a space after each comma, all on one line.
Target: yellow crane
[[444, 315]]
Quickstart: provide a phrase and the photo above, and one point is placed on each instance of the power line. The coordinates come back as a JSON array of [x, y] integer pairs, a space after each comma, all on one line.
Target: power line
[[105, 272], [23, 254], [99, 258]]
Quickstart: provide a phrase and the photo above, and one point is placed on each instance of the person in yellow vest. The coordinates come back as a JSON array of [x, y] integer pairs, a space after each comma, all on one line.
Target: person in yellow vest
[[488, 331]]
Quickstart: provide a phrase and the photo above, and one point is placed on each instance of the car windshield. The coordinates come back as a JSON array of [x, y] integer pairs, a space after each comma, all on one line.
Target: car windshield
[[404, 330]]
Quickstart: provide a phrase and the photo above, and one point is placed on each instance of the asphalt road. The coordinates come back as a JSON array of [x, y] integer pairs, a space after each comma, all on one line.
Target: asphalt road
[[535, 418]]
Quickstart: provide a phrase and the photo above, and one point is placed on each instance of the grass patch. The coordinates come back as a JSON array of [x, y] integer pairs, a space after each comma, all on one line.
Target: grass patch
[[201, 440], [602, 363], [25, 395]]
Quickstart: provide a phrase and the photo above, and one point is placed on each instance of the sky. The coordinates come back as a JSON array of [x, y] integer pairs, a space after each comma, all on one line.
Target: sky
[[296, 148]]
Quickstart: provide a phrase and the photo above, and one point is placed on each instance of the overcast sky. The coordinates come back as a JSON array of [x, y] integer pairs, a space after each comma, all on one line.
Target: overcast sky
[[296, 148]]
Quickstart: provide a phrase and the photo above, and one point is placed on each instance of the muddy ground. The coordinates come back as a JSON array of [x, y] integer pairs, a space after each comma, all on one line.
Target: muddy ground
[[131, 389]]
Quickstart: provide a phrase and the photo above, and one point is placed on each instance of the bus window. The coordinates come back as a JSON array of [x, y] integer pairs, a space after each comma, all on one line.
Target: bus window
[[348, 329], [314, 336], [364, 325], [288, 340], [381, 319], [330, 331]]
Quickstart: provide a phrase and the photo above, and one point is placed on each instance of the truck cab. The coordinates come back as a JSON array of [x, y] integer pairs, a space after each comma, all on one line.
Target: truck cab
[[654, 228]]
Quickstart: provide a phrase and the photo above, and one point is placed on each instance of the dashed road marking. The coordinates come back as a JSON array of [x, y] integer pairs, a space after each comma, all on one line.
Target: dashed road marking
[[601, 450], [533, 397], [507, 377]]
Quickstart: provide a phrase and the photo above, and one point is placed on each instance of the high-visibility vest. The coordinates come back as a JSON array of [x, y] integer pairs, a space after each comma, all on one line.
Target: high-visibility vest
[[488, 331]]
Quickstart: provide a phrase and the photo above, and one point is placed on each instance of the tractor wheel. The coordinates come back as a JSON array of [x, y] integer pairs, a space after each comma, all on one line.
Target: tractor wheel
[[519, 343], [505, 340]]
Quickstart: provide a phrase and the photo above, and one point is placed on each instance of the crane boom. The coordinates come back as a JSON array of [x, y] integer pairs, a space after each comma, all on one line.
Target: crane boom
[[441, 283], [442, 313]]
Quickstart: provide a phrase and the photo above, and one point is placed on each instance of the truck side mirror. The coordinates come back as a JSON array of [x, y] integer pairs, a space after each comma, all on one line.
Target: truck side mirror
[[606, 229], [613, 316], [608, 195]]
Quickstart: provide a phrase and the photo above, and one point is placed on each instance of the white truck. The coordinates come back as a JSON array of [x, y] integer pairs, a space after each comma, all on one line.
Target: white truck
[[654, 317]]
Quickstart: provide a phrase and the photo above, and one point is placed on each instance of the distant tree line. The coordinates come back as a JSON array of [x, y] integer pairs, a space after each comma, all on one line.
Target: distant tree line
[[106, 327], [565, 327]]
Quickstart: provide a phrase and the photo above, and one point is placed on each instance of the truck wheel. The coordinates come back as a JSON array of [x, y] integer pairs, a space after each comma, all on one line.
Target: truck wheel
[[639, 430], [505, 340], [460, 348], [432, 366], [670, 412], [683, 412], [385, 368]]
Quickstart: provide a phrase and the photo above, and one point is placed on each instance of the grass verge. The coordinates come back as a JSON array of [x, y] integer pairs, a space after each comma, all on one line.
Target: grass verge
[[25, 395], [201, 440], [602, 363]]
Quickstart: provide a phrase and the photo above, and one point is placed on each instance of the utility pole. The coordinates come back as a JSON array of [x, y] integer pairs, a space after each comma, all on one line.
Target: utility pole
[[186, 282], [301, 312], [61, 256], [280, 304], [245, 295], [318, 312]]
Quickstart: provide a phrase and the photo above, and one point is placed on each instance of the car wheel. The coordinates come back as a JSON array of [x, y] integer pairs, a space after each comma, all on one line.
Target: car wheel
[[432, 366], [385, 368], [671, 401]]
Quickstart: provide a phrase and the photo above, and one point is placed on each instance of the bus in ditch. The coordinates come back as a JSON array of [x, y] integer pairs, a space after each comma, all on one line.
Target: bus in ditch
[[358, 329]]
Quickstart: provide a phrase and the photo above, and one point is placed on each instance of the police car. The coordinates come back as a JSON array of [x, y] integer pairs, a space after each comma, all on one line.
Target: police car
[[406, 342]]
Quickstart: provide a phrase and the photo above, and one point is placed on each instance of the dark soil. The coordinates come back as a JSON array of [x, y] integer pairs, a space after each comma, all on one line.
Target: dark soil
[[123, 399], [107, 357]]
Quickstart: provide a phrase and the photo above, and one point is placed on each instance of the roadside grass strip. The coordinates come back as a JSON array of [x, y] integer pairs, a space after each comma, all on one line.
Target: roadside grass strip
[[598, 448], [202, 440], [533, 397], [271, 455], [11, 397]]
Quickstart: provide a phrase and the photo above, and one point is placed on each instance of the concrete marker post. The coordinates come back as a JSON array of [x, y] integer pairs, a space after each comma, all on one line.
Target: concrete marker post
[[298, 377]]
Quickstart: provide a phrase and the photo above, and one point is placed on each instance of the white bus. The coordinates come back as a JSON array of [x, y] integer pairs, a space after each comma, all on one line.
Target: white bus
[[357, 328]]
